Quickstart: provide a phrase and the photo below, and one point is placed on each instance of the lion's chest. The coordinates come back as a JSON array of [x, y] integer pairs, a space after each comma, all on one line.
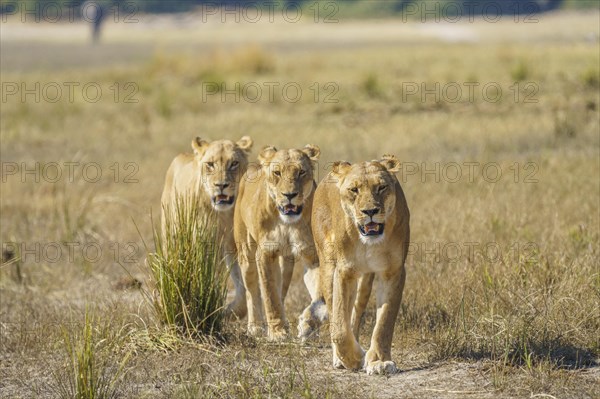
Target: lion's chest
[[287, 239], [369, 259]]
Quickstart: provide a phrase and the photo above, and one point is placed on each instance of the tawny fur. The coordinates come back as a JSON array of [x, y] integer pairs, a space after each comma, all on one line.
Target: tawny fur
[[350, 261], [269, 241]]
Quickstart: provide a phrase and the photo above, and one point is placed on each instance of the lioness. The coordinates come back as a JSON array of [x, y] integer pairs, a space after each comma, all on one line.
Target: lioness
[[360, 222], [272, 228], [213, 173]]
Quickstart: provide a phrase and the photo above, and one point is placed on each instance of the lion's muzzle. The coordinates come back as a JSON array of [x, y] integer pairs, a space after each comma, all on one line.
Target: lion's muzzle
[[223, 199], [371, 229], [290, 209]]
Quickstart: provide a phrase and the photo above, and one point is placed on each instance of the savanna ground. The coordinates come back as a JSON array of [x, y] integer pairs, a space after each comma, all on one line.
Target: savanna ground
[[503, 289]]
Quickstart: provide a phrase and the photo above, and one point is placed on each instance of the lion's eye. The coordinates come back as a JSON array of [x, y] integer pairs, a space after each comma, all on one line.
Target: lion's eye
[[302, 173], [277, 173], [210, 165], [382, 188], [354, 190], [234, 165]]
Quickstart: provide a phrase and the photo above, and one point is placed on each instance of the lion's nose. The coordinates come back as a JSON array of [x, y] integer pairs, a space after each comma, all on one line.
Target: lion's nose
[[370, 212], [289, 196], [222, 186]]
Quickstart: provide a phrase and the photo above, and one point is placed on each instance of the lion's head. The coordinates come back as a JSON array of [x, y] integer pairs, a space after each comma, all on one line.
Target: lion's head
[[289, 178], [368, 194], [222, 164]]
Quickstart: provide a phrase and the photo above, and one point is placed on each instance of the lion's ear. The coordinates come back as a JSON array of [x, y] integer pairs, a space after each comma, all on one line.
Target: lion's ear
[[312, 151], [391, 163], [340, 168], [245, 143], [199, 145], [266, 154]]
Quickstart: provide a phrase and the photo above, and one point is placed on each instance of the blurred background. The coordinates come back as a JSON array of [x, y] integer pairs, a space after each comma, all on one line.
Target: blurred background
[[203, 25]]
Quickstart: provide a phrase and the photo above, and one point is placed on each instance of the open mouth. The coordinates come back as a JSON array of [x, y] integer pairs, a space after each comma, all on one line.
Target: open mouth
[[290, 210], [222, 199], [371, 229]]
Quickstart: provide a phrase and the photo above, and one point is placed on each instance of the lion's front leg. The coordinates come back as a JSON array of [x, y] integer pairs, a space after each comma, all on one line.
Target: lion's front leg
[[247, 262], [389, 295], [237, 307], [269, 275], [365, 283], [286, 265], [345, 346]]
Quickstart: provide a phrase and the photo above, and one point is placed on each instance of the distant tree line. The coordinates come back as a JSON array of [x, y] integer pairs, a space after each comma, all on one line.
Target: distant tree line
[[162, 6]]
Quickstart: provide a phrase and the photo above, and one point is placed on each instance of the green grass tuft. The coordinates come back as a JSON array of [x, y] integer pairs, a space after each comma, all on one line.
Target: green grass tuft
[[188, 271]]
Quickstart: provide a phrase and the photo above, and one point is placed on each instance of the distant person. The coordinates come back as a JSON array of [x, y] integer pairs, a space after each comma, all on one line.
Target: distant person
[[94, 12]]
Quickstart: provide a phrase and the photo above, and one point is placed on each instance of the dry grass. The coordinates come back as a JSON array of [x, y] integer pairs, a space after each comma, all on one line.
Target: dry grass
[[503, 287]]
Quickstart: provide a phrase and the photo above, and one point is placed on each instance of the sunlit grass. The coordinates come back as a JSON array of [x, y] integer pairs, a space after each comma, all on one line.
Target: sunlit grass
[[89, 371], [188, 271]]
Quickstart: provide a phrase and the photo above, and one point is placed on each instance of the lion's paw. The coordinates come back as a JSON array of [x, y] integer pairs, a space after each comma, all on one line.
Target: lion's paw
[[277, 335], [337, 363], [381, 368], [356, 364]]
